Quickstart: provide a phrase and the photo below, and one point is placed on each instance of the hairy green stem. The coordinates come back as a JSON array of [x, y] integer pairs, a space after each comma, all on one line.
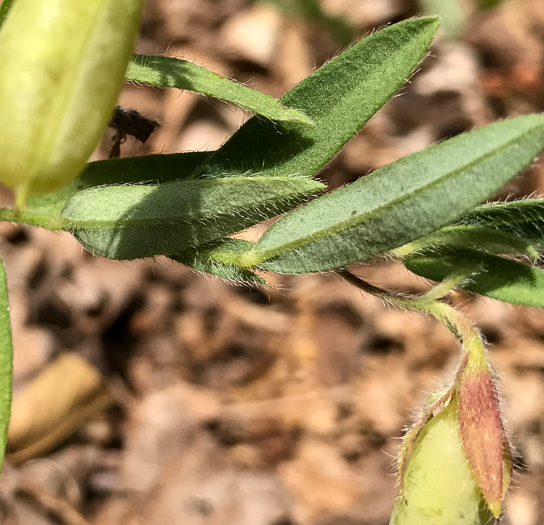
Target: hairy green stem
[[455, 321], [32, 218]]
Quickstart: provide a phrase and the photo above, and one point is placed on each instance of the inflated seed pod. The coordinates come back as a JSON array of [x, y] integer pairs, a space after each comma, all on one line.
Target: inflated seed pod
[[62, 67], [438, 484]]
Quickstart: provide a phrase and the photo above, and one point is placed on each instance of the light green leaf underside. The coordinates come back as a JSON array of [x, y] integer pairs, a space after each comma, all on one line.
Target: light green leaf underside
[[340, 98], [503, 279], [222, 260], [6, 362], [480, 238], [402, 201], [524, 219], [175, 73], [130, 222], [151, 169]]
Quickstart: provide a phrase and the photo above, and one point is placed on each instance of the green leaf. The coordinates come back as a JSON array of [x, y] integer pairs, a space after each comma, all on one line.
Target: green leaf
[[340, 98], [173, 72], [400, 202], [495, 277], [483, 239], [6, 362], [221, 258], [130, 222], [5, 6], [524, 219], [151, 169]]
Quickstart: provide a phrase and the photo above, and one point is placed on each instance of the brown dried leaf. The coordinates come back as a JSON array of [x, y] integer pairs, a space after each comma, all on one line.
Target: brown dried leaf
[[54, 405]]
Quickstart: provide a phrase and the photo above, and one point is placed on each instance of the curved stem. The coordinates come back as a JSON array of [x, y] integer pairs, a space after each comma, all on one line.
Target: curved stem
[[456, 322], [411, 302], [462, 328]]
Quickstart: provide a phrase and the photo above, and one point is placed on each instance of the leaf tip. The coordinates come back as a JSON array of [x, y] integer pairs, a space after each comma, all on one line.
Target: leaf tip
[[432, 21], [303, 119]]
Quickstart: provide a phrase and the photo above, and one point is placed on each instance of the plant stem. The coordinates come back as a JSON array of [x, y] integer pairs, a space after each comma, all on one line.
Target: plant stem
[[456, 322], [420, 303], [31, 218]]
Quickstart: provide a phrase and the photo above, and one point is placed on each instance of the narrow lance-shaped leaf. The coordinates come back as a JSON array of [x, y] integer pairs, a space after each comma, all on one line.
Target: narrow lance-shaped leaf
[[6, 362], [481, 238], [129, 222], [150, 169], [524, 218], [340, 98], [176, 73], [502, 279], [400, 202]]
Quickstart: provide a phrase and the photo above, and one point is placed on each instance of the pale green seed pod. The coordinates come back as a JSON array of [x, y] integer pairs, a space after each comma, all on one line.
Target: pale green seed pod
[[439, 487], [63, 65]]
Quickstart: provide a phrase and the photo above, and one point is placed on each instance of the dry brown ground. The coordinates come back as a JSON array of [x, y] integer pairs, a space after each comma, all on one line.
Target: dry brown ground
[[146, 394]]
